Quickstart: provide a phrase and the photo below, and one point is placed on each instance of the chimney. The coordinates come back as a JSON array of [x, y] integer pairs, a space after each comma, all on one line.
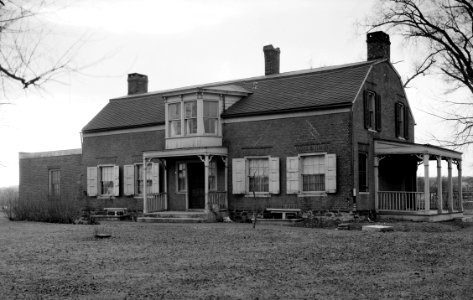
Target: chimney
[[137, 83], [271, 60], [378, 45]]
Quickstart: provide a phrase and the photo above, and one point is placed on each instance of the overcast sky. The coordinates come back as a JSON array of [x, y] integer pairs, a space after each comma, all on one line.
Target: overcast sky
[[179, 43]]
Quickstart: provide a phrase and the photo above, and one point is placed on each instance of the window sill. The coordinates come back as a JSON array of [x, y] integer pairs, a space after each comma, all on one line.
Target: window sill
[[312, 194], [258, 195], [372, 130], [364, 193], [106, 197]]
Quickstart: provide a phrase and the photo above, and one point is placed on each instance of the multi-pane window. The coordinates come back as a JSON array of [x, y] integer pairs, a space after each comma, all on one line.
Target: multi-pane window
[[174, 119], [372, 111], [190, 117], [139, 181], [313, 173], [213, 176], [181, 177], [362, 172], [211, 117], [402, 122], [258, 174], [106, 180], [54, 183]]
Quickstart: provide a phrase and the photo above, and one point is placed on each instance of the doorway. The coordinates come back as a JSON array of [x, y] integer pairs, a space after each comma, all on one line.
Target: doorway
[[196, 181]]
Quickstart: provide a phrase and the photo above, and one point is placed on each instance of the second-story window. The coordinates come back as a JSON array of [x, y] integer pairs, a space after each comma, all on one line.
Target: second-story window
[[402, 121], [211, 117], [190, 117], [372, 111], [174, 119]]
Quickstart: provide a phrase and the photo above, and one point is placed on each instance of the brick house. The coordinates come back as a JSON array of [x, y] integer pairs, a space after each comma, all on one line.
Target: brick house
[[331, 138]]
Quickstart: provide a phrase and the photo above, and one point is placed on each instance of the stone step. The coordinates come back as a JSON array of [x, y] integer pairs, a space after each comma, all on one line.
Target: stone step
[[170, 220]]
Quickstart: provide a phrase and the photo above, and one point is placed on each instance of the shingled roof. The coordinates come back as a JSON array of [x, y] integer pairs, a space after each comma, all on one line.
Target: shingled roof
[[291, 91]]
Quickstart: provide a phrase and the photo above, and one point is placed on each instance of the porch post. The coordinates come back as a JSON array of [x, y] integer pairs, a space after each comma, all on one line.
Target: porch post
[[376, 183], [206, 164], [145, 194], [165, 184], [439, 185], [426, 184], [225, 161], [460, 193], [450, 186]]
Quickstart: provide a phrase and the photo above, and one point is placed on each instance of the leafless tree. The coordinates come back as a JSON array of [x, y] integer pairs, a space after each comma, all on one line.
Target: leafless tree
[[445, 29], [23, 58]]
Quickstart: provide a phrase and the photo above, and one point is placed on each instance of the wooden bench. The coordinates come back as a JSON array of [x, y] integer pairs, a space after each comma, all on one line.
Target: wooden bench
[[284, 211], [115, 211]]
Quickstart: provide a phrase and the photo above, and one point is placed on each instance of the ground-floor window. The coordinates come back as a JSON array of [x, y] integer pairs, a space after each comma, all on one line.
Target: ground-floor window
[[313, 173], [363, 172], [139, 181], [258, 174], [106, 180], [181, 177], [255, 174], [213, 175], [54, 182]]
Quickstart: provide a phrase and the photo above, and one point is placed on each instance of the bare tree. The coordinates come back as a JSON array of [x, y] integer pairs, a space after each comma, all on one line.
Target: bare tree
[[23, 58], [445, 28]]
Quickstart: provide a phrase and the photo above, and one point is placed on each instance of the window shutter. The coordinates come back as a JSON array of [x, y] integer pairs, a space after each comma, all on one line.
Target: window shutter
[[331, 173], [274, 175], [292, 175], [366, 109], [378, 112], [406, 122], [116, 180], [129, 180], [155, 178], [396, 117], [92, 181], [238, 176]]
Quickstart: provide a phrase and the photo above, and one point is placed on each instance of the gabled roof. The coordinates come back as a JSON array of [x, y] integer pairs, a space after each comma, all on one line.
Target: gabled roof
[[319, 88]]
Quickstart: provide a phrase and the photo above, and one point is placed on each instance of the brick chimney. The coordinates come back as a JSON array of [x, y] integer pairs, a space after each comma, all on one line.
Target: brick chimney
[[271, 60], [378, 45], [137, 83]]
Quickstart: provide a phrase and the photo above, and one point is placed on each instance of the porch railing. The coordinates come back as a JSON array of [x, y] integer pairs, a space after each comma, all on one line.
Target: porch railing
[[456, 201], [156, 202], [218, 200], [401, 201]]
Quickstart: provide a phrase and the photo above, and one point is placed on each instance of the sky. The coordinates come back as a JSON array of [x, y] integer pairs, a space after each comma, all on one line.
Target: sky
[[182, 42]]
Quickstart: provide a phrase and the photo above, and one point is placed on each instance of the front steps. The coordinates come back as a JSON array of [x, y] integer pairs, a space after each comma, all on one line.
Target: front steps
[[174, 217]]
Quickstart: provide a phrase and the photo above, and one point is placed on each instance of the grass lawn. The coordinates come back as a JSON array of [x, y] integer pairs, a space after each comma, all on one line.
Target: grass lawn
[[418, 260]]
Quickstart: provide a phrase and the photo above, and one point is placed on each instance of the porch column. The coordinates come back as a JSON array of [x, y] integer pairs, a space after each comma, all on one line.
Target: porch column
[[225, 161], [426, 184], [206, 175], [439, 185], [376, 183], [450, 186], [145, 194], [165, 188], [460, 193]]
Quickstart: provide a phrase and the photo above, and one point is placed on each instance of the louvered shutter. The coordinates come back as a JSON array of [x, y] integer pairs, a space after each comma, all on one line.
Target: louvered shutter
[[92, 181], [274, 175], [129, 180], [155, 178], [292, 175], [116, 180], [406, 122], [378, 112], [366, 109], [238, 176], [397, 115], [331, 173]]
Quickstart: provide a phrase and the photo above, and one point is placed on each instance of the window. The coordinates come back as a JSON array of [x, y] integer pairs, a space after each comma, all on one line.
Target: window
[[139, 181], [174, 119], [258, 174], [190, 118], [134, 182], [402, 121], [181, 177], [103, 180], [363, 172], [313, 173], [54, 183], [372, 111], [213, 176], [106, 180], [211, 117]]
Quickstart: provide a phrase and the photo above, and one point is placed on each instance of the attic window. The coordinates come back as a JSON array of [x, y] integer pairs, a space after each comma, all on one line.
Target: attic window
[[402, 121], [372, 110]]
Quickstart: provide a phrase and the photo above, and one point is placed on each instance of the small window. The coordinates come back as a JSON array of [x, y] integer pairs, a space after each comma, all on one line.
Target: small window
[[363, 172], [174, 119], [213, 176], [54, 183], [258, 174], [402, 121], [211, 117], [181, 177], [372, 111], [106, 180], [190, 118], [313, 173]]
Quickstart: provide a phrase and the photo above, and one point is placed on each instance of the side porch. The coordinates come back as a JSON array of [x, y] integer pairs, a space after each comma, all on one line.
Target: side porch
[[397, 192]]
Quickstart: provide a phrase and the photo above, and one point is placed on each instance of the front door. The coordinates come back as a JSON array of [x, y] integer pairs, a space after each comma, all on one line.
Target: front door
[[196, 174]]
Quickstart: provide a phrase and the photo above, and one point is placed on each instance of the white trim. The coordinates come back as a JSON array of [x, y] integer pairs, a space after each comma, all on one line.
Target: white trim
[[221, 151], [121, 131], [230, 120], [23, 155]]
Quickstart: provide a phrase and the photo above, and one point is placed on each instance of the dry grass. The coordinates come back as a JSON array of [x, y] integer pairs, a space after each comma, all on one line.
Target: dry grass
[[39, 260]]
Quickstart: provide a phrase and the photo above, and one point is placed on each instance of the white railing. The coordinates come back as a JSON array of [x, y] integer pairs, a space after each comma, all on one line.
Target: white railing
[[218, 200], [156, 202], [401, 201]]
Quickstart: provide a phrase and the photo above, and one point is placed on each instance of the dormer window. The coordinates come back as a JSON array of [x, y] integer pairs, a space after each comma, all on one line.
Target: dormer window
[[211, 117], [174, 119]]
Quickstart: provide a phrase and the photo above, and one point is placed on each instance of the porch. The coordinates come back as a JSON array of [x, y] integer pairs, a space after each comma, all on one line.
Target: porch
[[427, 203]]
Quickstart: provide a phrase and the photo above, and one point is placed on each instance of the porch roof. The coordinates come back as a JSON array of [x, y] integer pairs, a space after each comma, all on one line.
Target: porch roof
[[222, 151], [391, 147]]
